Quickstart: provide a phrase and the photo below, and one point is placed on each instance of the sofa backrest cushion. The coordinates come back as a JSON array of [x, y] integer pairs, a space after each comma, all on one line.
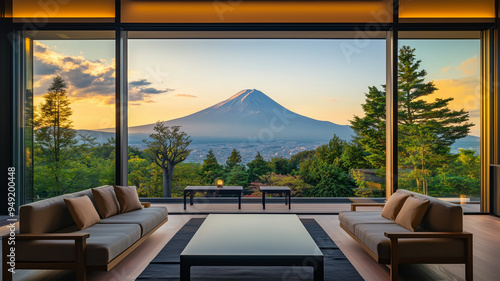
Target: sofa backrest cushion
[[128, 198], [106, 202], [412, 213], [394, 205], [48, 215], [82, 211], [441, 215]]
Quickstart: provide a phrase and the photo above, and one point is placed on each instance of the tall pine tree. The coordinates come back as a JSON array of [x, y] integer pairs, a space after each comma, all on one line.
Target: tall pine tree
[[55, 142], [415, 108], [258, 167], [210, 169], [233, 160]]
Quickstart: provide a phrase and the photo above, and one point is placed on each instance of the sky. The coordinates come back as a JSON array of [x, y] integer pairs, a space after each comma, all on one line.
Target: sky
[[322, 79]]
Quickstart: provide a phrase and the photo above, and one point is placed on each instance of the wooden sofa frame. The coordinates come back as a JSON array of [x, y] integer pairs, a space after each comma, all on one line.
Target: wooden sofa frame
[[394, 237], [79, 265]]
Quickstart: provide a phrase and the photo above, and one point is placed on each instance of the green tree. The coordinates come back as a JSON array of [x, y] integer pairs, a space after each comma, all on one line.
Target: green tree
[[354, 157], [325, 173], [186, 174], [210, 169], [167, 147], [332, 152], [297, 186], [257, 167], [370, 129], [282, 166], [300, 157], [237, 176], [420, 154], [414, 106], [55, 143], [327, 180], [233, 160]]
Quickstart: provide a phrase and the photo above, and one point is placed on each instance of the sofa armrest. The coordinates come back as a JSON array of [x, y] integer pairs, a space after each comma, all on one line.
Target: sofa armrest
[[355, 205], [146, 204], [79, 264], [402, 235], [396, 260]]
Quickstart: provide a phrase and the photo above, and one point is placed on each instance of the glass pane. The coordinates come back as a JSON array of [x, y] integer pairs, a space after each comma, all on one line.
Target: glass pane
[[257, 11], [282, 112], [439, 119], [73, 116]]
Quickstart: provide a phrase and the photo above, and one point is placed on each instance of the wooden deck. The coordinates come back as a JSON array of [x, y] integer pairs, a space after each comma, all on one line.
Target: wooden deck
[[484, 227]]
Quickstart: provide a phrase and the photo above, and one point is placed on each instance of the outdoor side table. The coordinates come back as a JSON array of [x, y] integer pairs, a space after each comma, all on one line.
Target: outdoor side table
[[225, 190], [276, 189]]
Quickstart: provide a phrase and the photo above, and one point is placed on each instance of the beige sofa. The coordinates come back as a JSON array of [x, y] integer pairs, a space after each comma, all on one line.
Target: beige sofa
[[438, 239], [49, 238]]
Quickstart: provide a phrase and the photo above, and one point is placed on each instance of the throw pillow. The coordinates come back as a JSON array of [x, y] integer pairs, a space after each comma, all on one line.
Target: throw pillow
[[128, 198], [412, 213], [105, 201], [83, 212], [394, 205]]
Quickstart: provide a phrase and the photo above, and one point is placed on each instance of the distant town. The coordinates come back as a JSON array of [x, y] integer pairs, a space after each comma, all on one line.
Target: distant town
[[248, 150]]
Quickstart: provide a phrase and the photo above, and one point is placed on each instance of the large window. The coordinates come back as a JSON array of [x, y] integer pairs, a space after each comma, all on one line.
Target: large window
[[71, 100], [305, 113], [439, 119]]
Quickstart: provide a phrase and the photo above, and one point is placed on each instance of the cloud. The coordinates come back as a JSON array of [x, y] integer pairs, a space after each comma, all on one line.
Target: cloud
[[86, 79], [154, 91], [445, 69], [185, 96], [138, 83], [43, 68], [470, 66]]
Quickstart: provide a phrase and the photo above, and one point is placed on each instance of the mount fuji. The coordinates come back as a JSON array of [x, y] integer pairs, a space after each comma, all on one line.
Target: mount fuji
[[248, 116]]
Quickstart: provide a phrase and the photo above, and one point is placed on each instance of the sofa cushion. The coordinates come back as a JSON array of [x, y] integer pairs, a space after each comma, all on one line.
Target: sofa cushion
[[82, 211], [412, 213], [146, 218], [128, 198], [372, 235], [394, 205], [441, 215], [106, 202], [48, 215], [351, 219], [106, 242]]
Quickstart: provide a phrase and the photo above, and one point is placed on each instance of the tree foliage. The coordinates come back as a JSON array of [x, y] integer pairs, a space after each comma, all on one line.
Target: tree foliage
[[167, 147]]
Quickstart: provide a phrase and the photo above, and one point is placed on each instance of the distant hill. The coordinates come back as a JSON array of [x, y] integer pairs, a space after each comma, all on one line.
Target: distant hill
[[249, 116], [469, 142]]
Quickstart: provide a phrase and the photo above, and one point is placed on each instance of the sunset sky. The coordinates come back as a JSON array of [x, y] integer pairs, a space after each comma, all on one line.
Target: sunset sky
[[316, 78]]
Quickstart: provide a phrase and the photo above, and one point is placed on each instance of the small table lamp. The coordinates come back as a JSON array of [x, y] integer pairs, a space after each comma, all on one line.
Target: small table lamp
[[219, 183]]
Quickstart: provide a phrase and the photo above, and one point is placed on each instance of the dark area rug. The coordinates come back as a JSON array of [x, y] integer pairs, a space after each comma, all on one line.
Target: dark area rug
[[165, 266]]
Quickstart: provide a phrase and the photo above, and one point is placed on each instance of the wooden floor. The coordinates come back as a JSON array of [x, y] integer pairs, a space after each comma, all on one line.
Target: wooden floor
[[486, 231]]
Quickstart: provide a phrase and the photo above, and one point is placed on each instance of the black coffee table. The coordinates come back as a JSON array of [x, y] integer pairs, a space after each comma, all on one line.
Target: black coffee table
[[225, 190], [276, 189], [252, 240]]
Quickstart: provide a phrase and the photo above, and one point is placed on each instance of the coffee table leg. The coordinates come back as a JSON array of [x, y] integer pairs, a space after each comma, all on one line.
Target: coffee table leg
[[186, 272], [319, 271], [263, 199], [239, 201], [191, 195]]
